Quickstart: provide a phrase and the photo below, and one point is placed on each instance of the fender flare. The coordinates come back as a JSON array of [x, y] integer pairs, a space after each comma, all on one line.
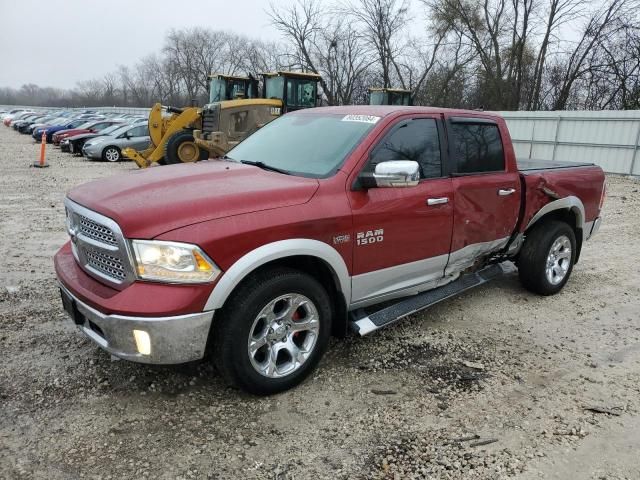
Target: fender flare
[[571, 203], [273, 251]]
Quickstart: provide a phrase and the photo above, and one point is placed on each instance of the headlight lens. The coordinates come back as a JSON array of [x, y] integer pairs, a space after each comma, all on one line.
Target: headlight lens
[[173, 262], [95, 141]]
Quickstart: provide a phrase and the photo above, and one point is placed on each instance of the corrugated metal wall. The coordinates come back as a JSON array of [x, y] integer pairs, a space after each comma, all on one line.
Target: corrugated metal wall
[[608, 138]]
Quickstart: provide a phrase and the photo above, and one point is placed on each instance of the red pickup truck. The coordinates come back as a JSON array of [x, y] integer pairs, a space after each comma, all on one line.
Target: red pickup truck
[[323, 220]]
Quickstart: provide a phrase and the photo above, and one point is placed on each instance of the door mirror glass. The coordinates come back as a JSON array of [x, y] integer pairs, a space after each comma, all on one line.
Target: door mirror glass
[[397, 173]]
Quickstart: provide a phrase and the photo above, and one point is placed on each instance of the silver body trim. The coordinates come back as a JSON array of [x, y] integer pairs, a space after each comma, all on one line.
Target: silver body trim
[[412, 289], [380, 283], [174, 340], [568, 203], [273, 251]]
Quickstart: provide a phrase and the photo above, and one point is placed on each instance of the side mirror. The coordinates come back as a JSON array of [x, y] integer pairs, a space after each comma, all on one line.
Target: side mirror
[[127, 135], [397, 173]]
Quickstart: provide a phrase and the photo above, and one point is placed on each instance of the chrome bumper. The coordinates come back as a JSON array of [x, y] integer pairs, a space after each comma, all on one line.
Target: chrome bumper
[[173, 340]]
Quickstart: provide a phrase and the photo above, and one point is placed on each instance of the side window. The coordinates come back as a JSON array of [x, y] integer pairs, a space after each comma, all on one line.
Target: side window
[[477, 147], [411, 140], [140, 131]]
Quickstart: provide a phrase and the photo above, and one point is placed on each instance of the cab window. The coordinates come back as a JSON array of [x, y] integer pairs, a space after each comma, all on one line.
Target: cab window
[[416, 140], [477, 147]]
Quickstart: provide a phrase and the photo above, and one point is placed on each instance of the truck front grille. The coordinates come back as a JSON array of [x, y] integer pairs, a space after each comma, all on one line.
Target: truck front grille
[[107, 264], [99, 246], [96, 231]]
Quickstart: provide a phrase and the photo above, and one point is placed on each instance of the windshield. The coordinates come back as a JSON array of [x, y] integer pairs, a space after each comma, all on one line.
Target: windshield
[[274, 87], [309, 145], [119, 131], [218, 90], [111, 129]]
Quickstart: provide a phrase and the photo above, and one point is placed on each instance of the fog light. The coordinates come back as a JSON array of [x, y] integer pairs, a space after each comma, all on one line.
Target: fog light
[[143, 342]]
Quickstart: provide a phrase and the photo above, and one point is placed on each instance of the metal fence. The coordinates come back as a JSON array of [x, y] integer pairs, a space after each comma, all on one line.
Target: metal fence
[[610, 139]]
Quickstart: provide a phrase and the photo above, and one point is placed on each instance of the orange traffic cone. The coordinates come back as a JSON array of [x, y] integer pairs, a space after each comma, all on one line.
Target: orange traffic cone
[[43, 162]]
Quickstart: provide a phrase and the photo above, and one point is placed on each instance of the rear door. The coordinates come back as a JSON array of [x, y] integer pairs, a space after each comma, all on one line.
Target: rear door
[[139, 137], [486, 190], [402, 235]]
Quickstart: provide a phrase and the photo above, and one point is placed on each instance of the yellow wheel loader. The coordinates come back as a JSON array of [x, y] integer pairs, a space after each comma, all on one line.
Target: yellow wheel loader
[[234, 112], [171, 129], [389, 96], [227, 123]]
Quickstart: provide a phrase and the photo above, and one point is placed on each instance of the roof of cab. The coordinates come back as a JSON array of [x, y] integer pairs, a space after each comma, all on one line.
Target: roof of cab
[[386, 110]]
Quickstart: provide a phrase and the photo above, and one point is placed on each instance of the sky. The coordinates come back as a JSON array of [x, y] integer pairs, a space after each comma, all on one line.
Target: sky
[[59, 42]]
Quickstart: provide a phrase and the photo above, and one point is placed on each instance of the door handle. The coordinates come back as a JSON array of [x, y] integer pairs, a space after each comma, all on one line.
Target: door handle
[[505, 192], [437, 201]]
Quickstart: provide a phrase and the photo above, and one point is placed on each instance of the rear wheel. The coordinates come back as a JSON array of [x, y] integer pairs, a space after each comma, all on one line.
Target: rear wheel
[[547, 257], [273, 331], [111, 154], [182, 148]]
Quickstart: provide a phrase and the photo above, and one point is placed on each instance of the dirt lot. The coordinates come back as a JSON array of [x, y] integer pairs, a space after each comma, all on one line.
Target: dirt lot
[[397, 404]]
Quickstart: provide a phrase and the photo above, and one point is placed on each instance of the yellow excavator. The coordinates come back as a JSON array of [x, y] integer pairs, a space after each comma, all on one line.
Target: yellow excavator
[[235, 110], [389, 96]]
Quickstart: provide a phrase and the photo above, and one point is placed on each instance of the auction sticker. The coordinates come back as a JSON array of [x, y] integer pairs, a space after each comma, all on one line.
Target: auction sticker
[[361, 118]]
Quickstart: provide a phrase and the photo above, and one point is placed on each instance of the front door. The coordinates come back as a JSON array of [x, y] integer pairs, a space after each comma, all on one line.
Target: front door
[[486, 193], [402, 235]]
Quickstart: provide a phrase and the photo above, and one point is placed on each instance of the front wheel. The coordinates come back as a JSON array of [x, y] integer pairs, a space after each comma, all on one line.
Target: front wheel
[[273, 331], [547, 257], [182, 148], [111, 154]]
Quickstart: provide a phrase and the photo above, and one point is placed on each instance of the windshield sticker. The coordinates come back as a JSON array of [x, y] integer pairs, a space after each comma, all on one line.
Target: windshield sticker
[[361, 118]]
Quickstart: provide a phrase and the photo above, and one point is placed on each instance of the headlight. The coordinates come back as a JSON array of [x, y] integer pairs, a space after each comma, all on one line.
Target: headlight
[[94, 141], [173, 262]]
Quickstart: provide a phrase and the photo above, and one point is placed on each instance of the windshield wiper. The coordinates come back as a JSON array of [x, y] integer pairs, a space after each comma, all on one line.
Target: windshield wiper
[[264, 166]]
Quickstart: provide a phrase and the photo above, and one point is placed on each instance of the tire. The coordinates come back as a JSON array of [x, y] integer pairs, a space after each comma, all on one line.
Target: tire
[[181, 148], [547, 257], [111, 154], [242, 322]]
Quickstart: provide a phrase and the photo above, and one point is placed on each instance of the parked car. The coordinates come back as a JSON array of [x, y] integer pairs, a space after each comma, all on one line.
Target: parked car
[[92, 126], [71, 124], [16, 124], [37, 129], [323, 220], [8, 119], [26, 126], [109, 147], [74, 143]]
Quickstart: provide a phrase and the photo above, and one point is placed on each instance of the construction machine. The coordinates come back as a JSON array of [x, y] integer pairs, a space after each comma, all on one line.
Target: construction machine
[[389, 96], [227, 123], [234, 111]]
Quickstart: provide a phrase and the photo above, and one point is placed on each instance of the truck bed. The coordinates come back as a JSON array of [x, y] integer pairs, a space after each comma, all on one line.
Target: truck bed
[[532, 164]]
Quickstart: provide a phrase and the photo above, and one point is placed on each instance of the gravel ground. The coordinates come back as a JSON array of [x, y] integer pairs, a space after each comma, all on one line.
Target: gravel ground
[[493, 384]]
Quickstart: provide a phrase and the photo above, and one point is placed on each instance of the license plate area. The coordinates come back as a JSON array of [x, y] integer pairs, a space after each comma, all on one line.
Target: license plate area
[[71, 308]]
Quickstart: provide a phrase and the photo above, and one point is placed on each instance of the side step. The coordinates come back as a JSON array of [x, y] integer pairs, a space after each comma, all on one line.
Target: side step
[[364, 323]]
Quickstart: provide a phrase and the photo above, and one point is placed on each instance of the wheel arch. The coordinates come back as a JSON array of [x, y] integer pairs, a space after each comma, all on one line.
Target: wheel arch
[[569, 210], [313, 257]]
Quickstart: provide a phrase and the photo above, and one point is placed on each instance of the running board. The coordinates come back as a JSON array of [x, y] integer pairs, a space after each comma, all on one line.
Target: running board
[[364, 323]]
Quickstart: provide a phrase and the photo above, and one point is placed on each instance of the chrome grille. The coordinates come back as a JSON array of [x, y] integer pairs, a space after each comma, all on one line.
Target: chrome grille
[[99, 246], [96, 231], [105, 263]]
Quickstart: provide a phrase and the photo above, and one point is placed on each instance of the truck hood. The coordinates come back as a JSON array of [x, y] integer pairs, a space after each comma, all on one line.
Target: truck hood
[[147, 203]]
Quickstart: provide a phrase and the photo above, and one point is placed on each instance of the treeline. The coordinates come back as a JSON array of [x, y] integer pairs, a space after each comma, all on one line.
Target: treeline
[[492, 54]]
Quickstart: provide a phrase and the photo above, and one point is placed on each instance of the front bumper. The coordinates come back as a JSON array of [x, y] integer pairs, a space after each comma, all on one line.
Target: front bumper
[[173, 340], [91, 151]]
